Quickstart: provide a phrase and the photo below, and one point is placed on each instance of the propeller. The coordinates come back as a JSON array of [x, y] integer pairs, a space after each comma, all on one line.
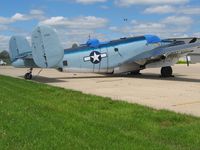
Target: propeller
[[188, 62], [187, 57], [193, 40]]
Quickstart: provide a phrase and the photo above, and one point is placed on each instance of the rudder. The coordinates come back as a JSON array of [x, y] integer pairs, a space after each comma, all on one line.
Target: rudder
[[47, 49], [18, 46]]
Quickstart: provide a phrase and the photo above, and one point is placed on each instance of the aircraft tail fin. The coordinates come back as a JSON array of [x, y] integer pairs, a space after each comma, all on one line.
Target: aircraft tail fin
[[47, 50], [18, 47]]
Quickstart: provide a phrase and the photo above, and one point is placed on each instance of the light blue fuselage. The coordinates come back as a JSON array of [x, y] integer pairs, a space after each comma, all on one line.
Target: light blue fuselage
[[118, 53]]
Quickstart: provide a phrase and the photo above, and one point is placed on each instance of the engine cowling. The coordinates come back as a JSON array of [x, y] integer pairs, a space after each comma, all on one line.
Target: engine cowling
[[46, 48]]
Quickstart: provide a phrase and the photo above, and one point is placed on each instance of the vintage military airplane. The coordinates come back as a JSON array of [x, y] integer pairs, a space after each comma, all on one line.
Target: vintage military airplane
[[125, 55]]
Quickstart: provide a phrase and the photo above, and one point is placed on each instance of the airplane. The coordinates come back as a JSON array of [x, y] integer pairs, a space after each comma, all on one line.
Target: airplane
[[124, 55]]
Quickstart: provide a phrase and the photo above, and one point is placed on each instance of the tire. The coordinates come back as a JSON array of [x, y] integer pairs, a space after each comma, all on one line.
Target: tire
[[28, 76], [166, 71]]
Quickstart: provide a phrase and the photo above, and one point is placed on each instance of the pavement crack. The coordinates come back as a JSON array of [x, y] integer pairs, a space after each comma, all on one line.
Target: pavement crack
[[189, 103]]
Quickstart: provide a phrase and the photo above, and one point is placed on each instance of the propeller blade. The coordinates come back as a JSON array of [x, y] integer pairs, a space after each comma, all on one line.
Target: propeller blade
[[193, 40], [187, 59]]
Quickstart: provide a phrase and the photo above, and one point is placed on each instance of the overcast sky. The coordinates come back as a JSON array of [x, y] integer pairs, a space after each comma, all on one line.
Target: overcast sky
[[75, 20]]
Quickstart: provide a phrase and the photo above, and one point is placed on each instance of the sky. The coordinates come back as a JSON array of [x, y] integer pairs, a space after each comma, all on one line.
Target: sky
[[77, 20]]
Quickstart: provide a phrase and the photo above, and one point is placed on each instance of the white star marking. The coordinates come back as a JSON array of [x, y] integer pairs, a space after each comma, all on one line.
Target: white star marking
[[95, 57]]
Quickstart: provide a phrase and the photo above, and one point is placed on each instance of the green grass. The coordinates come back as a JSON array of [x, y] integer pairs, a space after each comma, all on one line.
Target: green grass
[[38, 116], [181, 62]]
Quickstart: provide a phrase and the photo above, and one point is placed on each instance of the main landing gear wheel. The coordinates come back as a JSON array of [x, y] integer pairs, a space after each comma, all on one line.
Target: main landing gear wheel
[[28, 76], [166, 72]]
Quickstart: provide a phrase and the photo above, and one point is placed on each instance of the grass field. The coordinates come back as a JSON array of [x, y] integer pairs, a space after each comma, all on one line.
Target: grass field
[[38, 116]]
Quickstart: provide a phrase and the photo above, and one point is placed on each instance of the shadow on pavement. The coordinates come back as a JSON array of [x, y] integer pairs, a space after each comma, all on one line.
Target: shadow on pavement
[[179, 78]]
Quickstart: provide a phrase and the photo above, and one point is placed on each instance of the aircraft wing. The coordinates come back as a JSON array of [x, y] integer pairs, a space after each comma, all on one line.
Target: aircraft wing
[[24, 60], [163, 52], [25, 55]]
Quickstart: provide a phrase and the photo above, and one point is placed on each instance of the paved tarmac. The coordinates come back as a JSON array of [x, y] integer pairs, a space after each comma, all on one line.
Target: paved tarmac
[[180, 93]]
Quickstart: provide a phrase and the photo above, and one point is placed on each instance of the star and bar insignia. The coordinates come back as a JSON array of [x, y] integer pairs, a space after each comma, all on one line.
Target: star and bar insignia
[[95, 57]]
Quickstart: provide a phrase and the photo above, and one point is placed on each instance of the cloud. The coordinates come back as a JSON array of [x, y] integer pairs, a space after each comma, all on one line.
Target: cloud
[[172, 26], [16, 17], [148, 2], [4, 20], [3, 27], [4, 42], [164, 9], [6, 25], [197, 34], [88, 22], [77, 29], [189, 10], [89, 1], [178, 20], [79, 36], [160, 9], [19, 17], [34, 14]]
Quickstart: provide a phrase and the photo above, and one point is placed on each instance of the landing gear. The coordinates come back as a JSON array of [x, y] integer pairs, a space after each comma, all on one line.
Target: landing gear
[[28, 75], [60, 69], [135, 72], [166, 72]]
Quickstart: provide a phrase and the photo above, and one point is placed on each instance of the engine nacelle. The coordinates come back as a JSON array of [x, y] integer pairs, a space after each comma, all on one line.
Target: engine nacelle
[[46, 48]]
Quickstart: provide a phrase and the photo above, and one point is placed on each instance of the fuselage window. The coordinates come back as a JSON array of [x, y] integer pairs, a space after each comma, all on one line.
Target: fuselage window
[[65, 63]]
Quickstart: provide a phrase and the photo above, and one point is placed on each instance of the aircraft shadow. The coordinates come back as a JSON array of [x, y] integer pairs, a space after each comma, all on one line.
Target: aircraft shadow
[[43, 79], [176, 78]]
